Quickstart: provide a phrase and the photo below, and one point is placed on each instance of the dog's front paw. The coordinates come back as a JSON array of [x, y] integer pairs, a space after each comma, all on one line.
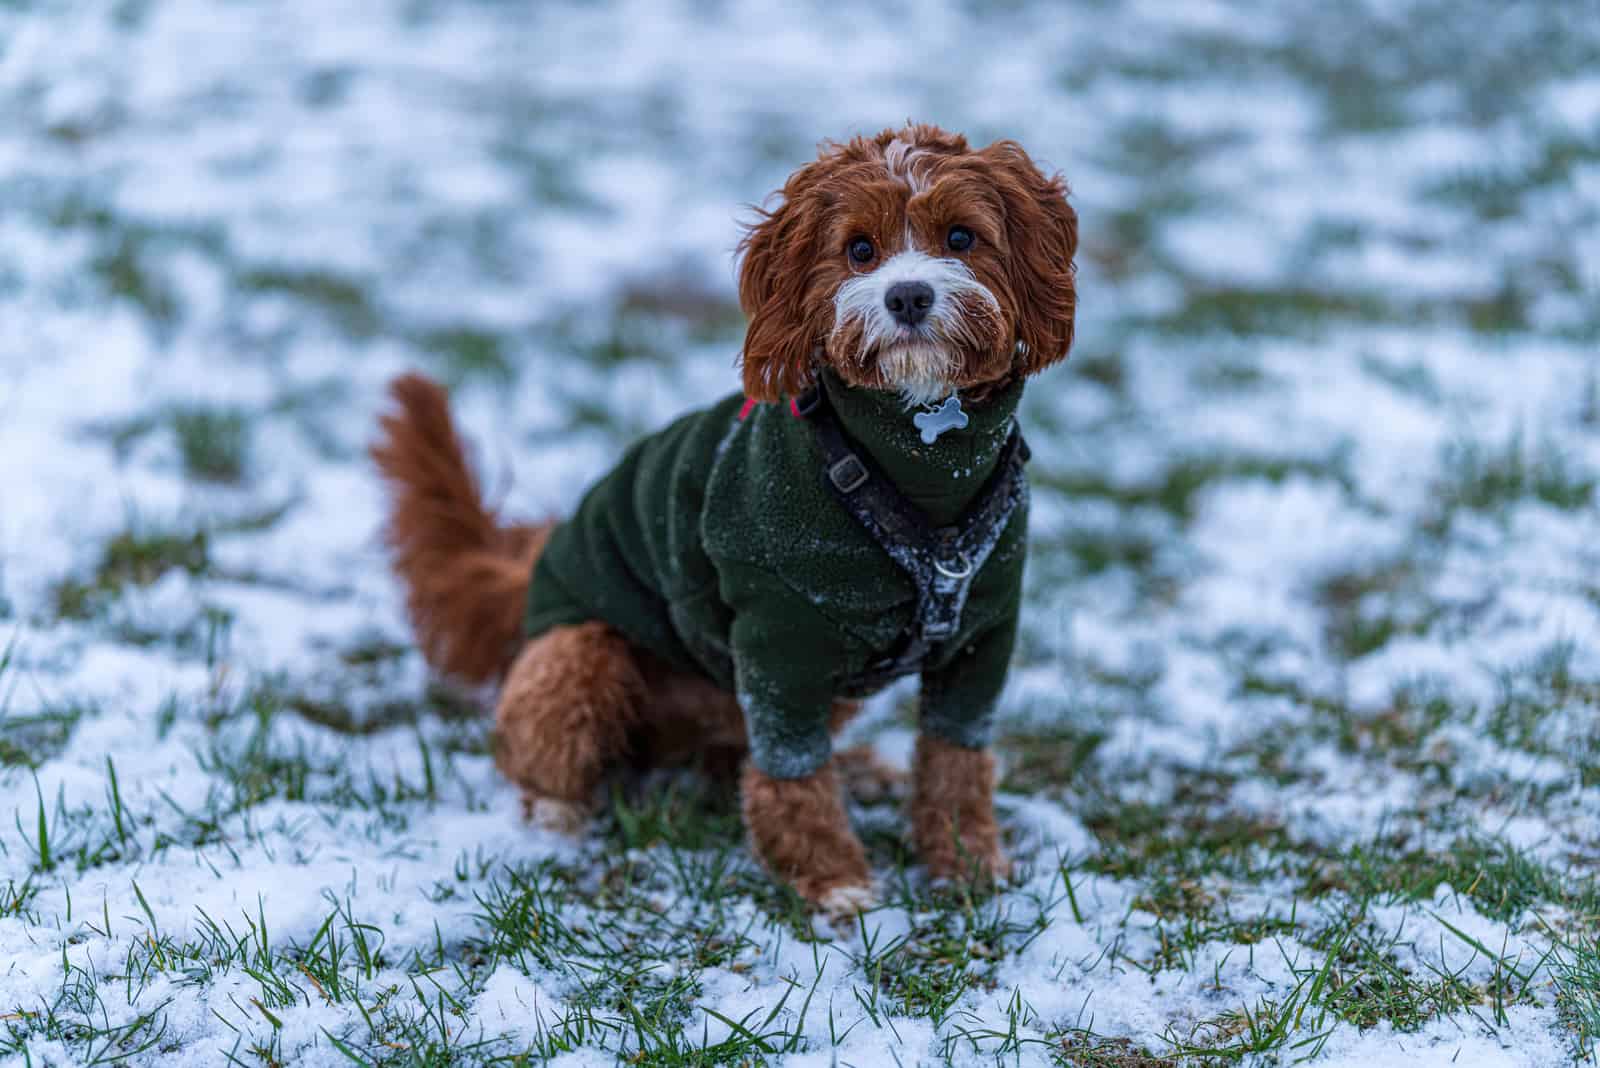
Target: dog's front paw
[[570, 818], [952, 812], [800, 831]]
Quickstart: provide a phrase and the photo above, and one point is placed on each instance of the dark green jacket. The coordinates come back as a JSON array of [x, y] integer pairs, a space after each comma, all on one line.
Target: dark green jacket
[[718, 545]]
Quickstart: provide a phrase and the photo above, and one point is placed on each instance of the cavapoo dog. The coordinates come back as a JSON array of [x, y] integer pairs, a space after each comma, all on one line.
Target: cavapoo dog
[[741, 578]]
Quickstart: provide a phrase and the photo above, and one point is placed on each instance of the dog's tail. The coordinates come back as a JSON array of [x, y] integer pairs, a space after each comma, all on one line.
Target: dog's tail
[[466, 573]]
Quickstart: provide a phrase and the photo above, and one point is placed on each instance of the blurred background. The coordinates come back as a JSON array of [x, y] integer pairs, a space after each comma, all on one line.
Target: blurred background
[[1315, 528]]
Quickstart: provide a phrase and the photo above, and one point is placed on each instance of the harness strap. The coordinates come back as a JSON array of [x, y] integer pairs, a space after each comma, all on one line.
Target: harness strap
[[940, 561]]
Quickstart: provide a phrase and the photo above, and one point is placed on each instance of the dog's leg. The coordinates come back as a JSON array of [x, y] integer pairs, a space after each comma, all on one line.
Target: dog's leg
[[952, 810], [801, 832], [564, 715]]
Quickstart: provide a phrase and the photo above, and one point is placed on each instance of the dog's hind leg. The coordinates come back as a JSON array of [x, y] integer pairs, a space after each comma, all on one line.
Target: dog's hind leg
[[564, 715]]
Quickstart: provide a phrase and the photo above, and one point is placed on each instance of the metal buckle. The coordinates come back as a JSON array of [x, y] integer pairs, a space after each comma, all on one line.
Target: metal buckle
[[847, 474], [964, 564]]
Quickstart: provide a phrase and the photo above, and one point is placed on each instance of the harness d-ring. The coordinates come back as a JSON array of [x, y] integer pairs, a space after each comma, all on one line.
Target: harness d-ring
[[965, 565]]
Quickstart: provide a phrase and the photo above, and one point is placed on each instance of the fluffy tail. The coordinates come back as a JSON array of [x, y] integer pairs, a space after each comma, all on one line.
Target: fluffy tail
[[466, 574]]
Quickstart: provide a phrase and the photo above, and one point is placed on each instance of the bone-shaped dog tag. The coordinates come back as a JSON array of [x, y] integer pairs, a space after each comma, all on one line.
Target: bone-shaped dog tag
[[935, 421]]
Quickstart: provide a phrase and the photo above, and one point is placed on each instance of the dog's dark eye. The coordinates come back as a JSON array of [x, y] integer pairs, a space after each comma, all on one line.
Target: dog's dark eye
[[959, 239], [860, 250]]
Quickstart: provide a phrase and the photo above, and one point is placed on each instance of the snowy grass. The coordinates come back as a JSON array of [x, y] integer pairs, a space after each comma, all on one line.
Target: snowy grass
[[1299, 755]]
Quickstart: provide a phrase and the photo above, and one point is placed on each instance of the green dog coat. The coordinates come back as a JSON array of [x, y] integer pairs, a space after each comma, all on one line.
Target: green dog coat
[[719, 545]]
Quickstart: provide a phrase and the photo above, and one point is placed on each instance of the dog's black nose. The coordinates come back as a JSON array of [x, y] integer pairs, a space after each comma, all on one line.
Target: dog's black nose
[[909, 302]]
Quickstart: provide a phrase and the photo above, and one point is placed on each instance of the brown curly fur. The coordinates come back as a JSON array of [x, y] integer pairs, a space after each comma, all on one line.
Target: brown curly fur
[[690, 720], [687, 721], [566, 709], [466, 574], [952, 810], [801, 833]]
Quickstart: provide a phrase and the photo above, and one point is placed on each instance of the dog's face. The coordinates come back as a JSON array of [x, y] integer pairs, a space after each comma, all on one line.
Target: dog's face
[[910, 262]]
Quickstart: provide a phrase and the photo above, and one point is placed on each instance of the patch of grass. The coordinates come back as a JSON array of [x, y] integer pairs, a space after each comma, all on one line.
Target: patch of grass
[[1506, 309], [1363, 71], [29, 741], [1105, 368], [1174, 846], [127, 256], [1365, 985], [1364, 606], [687, 813], [1152, 147], [652, 325], [214, 442], [16, 899], [1540, 702], [1575, 970], [547, 175], [1414, 378], [136, 557], [344, 301], [705, 316], [1096, 551], [1396, 733], [619, 997], [1357, 635], [368, 666], [141, 558], [1044, 760], [1176, 489], [123, 434], [1497, 192], [1400, 731], [956, 942], [1357, 981], [1079, 1048], [1500, 881], [1126, 242], [372, 651], [1227, 376], [83, 834], [254, 761], [1589, 405], [1485, 478], [254, 520], [1249, 311], [468, 353], [125, 268]]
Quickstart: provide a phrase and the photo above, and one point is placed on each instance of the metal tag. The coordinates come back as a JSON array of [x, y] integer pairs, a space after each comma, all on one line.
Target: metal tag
[[935, 421]]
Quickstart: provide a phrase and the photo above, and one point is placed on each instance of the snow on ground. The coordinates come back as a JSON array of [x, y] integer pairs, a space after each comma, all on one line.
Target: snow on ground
[[1300, 747]]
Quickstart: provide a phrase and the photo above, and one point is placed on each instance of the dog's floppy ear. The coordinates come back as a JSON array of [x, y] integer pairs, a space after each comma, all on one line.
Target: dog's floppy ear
[[1042, 230], [779, 253]]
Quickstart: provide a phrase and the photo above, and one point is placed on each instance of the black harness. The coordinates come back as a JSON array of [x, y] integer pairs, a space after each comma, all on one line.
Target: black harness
[[940, 561]]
